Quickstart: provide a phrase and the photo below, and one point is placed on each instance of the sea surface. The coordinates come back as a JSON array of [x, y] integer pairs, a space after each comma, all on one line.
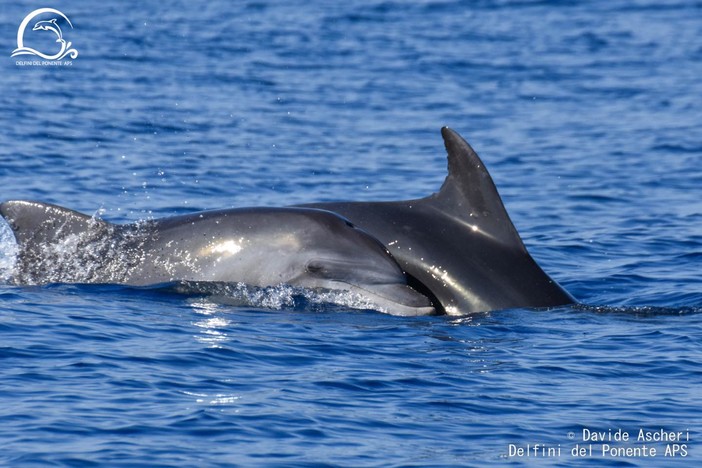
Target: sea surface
[[588, 115]]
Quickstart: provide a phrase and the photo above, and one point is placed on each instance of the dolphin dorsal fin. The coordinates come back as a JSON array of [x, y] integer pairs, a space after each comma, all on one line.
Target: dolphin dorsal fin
[[35, 222], [469, 194]]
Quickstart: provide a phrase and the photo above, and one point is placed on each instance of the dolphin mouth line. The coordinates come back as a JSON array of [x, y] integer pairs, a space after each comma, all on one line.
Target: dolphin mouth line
[[393, 306]]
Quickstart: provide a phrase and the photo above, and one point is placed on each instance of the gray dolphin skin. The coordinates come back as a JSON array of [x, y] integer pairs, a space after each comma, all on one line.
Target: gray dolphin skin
[[458, 246], [309, 248]]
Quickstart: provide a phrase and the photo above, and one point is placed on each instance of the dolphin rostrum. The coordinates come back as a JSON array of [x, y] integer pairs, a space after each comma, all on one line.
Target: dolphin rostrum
[[458, 245], [305, 247]]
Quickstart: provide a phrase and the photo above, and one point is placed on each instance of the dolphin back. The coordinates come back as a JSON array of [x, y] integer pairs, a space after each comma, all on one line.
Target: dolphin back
[[57, 244], [37, 223]]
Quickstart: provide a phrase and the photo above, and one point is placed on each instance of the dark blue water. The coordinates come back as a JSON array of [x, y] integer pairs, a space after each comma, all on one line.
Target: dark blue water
[[587, 115]]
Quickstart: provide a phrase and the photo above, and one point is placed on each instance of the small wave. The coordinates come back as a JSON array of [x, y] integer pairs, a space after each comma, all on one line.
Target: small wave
[[641, 311], [60, 55]]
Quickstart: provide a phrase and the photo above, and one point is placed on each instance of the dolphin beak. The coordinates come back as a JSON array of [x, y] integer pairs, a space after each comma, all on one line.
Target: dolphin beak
[[396, 299]]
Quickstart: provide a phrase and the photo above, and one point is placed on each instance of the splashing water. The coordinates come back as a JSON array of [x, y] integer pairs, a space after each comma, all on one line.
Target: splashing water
[[279, 297], [8, 252], [102, 253]]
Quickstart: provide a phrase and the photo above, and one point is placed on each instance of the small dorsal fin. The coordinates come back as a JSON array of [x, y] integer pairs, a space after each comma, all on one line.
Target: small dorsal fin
[[35, 222], [469, 194]]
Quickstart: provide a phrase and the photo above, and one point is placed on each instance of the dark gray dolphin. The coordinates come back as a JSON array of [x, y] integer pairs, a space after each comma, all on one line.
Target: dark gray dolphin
[[458, 245], [304, 247]]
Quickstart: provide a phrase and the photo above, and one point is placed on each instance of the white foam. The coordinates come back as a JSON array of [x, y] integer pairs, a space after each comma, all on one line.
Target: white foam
[[8, 252], [277, 297]]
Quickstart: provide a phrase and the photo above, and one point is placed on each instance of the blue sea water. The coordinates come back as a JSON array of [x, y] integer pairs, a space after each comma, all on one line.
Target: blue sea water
[[587, 114]]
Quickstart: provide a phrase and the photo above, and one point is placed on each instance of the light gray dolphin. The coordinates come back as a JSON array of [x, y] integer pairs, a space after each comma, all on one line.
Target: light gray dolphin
[[458, 245], [303, 247]]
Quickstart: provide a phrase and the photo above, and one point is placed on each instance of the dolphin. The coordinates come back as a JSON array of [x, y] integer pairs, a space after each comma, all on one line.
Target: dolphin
[[458, 245], [304, 247], [50, 25]]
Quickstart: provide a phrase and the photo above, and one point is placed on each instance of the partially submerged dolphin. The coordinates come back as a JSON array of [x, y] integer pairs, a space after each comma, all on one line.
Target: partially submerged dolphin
[[458, 245], [304, 247]]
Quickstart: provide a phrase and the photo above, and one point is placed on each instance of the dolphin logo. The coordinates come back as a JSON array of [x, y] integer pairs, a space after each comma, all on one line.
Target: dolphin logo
[[45, 25], [50, 25]]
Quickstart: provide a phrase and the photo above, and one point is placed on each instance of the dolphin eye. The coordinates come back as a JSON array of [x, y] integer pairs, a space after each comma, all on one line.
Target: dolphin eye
[[314, 267], [322, 268]]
